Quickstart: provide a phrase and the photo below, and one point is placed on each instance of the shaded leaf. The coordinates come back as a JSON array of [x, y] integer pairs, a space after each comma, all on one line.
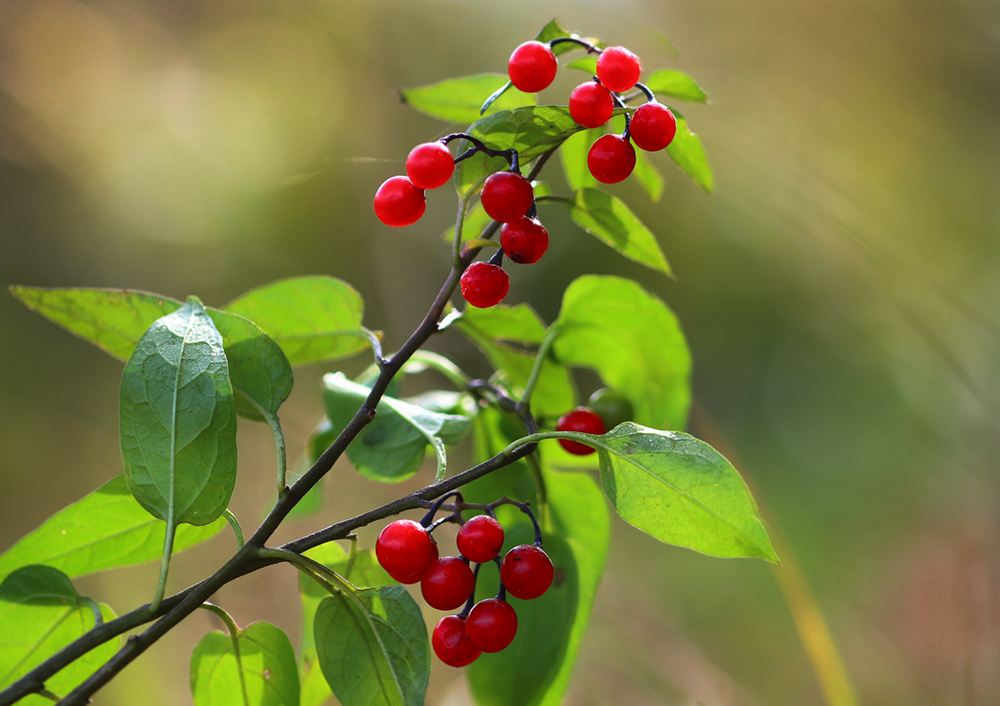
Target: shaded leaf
[[608, 219], [573, 155], [688, 154], [675, 84], [259, 669], [457, 100]]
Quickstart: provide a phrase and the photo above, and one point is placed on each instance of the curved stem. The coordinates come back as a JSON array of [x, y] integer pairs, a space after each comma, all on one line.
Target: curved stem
[[237, 530]]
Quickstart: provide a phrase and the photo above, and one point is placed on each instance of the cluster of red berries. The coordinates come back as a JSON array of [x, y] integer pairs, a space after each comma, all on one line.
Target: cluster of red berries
[[400, 201]]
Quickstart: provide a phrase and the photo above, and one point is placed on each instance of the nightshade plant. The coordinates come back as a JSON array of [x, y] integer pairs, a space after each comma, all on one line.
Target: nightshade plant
[[191, 371]]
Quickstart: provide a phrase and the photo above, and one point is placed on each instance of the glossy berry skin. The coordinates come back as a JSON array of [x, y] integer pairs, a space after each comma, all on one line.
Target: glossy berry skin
[[484, 285], [491, 625], [398, 202], [526, 572], [532, 66], [580, 419], [591, 104], [404, 548], [618, 69], [653, 127], [480, 539], [507, 196], [419, 576], [430, 165], [447, 583], [451, 643], [525, 240], [611, 159]]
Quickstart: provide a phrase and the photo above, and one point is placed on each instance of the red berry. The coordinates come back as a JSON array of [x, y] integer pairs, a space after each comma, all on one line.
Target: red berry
[[507, 196], [484, 285], [430, 165], [447, 583], [404, 548], [653, 126], [524, 240], [590, 104], [532, 67], [398, 202], [419, 576], [526, 572], [580, 419], [480, 539], [611, 159], [618, 69], [451, 643], [491, 625]]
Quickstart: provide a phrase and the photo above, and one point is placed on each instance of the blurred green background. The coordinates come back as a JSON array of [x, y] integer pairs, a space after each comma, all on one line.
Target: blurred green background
[[839, 291]]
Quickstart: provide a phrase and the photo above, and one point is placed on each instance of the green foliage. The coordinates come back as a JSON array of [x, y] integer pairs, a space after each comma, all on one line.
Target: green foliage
[[458, 100], [674, 84], [608, 219], [687, 152]]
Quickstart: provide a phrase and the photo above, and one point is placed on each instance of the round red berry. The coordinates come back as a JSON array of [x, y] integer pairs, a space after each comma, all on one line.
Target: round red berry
[[524, 240], [580, 419], [480, 539], [447, 583], [591, 104], [618, 69], [430, 165], [398, 202], [419, 576], [507, 196], [404, 548], [484, 285], [653, 126], [491, 625], [532, 66], [526, 572], [611, 159], [451, 643]]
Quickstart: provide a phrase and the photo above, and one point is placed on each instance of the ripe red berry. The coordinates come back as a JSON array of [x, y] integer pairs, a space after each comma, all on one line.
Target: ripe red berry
[[580, 419], [484, 285], [447, 583], [398, 202], [524, 240], [430, 165], [404, 548], [526, 572], [590, 104], [507, 196], [532, 66], [653, 126], [611, 159], [618, 69], [418, 577], [491, 625], [451, 643], [480, 539]]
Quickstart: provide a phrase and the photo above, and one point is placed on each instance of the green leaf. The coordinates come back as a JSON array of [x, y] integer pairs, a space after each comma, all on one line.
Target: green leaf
[[311, 318], [372, 647], [178, 421], [457, 100], [553, 30], [688, 154], [675, 84], [573, 155], [104, 530], [648, 176], [40, 613], [681, 491], [474, 224], [258, 670], [587, 64], [608, 219]]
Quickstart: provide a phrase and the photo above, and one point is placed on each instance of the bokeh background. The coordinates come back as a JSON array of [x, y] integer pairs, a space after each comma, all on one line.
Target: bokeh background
[[839, 291]]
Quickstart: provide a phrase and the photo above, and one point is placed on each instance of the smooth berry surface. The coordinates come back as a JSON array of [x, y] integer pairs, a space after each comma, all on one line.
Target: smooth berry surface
[[484, 285], [525, 240], [653, 127], [507, 196], [491, 625], [611, 159], [618, 68], [451, 643], [480, 539], [398, 202], [532, 66], [526, 572], [430, 165], [580, 419], [591, 104], [447, 583], [419, 576], [404, 548]]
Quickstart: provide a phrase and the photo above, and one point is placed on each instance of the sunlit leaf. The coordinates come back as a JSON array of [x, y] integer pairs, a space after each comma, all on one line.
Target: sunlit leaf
[[675, 84], [587, 64], [688, 154], [573, 155], [458, 100], [648, 176], [608, 219]]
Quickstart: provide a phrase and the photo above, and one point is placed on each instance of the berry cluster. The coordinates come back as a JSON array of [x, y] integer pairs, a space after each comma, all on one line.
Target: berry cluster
[[605, 410], [400, 201]]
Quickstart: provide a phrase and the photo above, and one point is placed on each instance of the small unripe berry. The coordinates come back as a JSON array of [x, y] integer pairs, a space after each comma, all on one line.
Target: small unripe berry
[[506, 196], [484, 285], [584, 420], [451, 643], [653, 127], [532, 67], [591, 104], [491, 625], [525, 240], [398, 202], [618, 68], [430, 165], [611, 159], [526, 572]]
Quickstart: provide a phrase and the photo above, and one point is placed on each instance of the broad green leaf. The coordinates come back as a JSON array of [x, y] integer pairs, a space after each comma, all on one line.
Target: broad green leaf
[[178, 420], [689, 155], [587, 64], [104, 530], [458, 100], [573, 155], [553, 30], [372, 647], [675, 84], [40, 613], [681, 491], [608, 219], [256, 667], [648, 176], [311, 318]]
